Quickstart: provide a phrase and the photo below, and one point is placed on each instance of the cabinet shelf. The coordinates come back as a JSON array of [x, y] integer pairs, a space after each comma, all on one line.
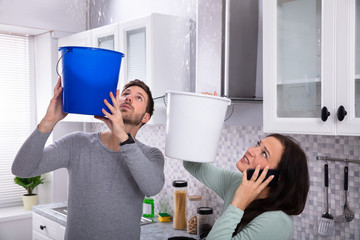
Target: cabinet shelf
[[300, 81]]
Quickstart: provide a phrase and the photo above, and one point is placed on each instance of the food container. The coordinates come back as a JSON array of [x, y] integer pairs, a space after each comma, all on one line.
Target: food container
[[193, 204], [180, 192], [205, 221]]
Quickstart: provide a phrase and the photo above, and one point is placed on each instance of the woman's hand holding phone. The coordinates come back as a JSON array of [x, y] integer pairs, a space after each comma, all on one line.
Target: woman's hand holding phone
[[252, 189], [273, 182]]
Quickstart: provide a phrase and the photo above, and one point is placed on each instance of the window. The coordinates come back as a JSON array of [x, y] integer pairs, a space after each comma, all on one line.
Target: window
[[17, 109]]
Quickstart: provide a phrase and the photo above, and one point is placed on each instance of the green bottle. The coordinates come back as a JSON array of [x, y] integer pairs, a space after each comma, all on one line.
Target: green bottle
[[148, 207]]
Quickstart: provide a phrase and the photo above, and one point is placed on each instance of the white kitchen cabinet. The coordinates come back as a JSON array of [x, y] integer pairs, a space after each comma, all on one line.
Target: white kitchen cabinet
[[46, 229], [348, 66], [310, 51], [103, 37], [106, 37], [82, 39], [157, 51]]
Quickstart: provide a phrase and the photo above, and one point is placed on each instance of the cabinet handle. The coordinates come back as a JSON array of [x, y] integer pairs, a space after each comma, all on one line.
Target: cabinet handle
[[341, 113], [324, 114], [42, 227]]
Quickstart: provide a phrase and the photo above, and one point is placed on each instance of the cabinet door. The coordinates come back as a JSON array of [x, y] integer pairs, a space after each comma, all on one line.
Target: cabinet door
[[298, 38], [135, 43], [106, 37], [348, 67], [44, 228], [38, 236], [82, 39], [157, 51]]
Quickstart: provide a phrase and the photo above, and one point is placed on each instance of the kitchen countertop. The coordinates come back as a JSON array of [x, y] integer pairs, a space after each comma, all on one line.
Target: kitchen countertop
[[45, 211], [152, 231]]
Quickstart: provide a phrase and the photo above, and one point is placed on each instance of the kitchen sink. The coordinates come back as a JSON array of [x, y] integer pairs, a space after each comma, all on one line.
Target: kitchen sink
[[63, 211], [144, 221]]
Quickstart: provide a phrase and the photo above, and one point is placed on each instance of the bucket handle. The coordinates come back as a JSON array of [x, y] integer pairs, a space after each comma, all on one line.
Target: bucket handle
[[165, 97], [57, 64]]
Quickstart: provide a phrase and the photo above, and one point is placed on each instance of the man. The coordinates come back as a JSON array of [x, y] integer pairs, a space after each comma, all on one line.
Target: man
[[109, 172]]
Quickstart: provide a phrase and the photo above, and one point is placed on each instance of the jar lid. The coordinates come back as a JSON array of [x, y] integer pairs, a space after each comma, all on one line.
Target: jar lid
[[205, 210], [194, 198], [179, 183]]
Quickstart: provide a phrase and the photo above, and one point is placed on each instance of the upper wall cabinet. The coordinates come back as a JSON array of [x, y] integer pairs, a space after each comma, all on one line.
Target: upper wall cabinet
[[157, 51], [311, 82], [106, 37]]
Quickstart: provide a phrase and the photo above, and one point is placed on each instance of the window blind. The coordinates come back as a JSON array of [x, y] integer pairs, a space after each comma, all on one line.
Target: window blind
[[15, 110], [136, 55]]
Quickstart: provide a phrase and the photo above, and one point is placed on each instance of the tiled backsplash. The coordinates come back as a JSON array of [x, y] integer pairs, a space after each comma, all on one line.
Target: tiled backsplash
[[235, 140]]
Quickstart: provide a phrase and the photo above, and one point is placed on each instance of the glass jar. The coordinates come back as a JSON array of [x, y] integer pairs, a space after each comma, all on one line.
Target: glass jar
[[205, 221], [180, 191], [148, 207], [193, 204]]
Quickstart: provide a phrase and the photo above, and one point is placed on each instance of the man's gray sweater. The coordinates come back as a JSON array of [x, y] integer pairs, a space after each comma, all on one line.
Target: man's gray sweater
[[106, 188]]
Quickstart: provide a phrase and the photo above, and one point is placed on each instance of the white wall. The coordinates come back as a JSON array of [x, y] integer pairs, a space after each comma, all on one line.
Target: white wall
[[209, 43], [60, 15], [19, 229], [109, 11]]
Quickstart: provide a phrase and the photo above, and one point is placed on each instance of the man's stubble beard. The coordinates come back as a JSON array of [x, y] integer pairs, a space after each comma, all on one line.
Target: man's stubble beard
[[135, 121]]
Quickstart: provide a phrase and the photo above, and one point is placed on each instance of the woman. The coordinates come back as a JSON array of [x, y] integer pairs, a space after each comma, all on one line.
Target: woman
[[253, 210]]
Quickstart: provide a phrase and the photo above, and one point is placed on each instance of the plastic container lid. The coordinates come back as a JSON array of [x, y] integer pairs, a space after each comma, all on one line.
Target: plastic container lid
[[179, 183], [205, 210]]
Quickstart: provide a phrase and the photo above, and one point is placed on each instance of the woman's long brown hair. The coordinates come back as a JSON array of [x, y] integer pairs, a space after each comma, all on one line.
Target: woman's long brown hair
[[292, 188]]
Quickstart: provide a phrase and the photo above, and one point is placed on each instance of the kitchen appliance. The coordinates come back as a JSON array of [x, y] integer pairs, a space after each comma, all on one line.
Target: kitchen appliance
[[242, 46], [61, 210]]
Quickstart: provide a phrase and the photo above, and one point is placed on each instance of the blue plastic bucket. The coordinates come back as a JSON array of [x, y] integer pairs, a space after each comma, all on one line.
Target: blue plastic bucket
[[88, 76]]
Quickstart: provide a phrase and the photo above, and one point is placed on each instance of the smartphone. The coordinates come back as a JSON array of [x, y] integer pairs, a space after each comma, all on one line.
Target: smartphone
[[270, 172]]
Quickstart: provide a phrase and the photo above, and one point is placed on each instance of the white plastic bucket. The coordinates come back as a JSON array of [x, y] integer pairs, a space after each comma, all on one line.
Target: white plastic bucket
[[194, 123]]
